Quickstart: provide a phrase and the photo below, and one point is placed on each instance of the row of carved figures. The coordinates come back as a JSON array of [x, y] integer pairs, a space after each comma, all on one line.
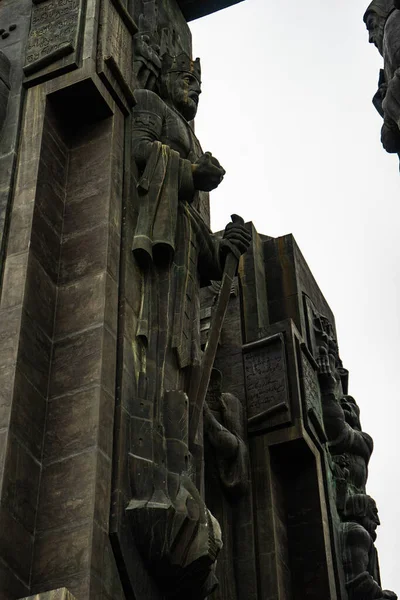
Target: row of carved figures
[[350, 449]]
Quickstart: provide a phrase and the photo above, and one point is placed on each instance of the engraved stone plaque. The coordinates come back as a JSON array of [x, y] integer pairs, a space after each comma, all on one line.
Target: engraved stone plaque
[[312, 396], [54, 33], [266, 380]]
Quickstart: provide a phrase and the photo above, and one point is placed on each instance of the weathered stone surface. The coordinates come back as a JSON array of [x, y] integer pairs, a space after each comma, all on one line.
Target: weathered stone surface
[[61, 594], [15, 27], [17, 546], [116, 50], [55, 34]]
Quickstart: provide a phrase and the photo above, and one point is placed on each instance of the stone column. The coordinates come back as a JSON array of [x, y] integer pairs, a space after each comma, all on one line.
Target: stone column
[[59, 304]]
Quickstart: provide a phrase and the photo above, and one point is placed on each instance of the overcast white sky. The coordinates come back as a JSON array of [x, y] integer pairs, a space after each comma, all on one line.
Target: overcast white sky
[[286, 108]]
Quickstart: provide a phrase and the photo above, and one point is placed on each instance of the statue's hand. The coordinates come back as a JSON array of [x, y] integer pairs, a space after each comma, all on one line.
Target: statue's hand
[[325, 376], [207, 173], [237, 236], [390, 136], [389, 595]]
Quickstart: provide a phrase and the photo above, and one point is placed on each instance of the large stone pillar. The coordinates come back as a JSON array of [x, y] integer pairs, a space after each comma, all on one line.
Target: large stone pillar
[[59, 302]]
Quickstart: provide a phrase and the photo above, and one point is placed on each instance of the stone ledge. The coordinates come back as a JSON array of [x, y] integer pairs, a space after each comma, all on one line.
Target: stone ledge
[[61, 594]]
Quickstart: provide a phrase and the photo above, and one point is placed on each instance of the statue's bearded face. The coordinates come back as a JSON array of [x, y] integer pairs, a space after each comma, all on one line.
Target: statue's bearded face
[[375, 25], [183, 91]]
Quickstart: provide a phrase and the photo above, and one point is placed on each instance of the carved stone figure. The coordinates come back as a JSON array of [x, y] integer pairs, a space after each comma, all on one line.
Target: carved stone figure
[[5, 68], [342, 417], [361, 446], [383, 23], [176, 254], [359, 557], [172, 244], [147, 61], [226, 481], [177, 535], [375, 18]]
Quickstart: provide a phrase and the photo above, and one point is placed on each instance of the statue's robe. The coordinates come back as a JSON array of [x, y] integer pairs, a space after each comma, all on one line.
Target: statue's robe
[[173, 244]]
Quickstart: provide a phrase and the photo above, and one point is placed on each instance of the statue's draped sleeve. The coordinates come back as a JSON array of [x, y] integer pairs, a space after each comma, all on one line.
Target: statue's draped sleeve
[[148, 120]]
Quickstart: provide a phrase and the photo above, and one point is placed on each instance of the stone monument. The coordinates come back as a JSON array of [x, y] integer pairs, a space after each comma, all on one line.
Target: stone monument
[[175, 419]]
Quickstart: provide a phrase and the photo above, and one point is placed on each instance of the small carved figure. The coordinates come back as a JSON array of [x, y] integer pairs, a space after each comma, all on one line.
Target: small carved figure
[[227, 483], [5, 68], [147, 61], [359, 557]]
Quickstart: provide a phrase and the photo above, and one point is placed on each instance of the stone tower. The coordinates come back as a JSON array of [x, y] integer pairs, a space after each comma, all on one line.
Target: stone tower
[[135, 461]]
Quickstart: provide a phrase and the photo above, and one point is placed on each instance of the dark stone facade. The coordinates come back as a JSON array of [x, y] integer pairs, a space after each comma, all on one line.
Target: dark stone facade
[[174, 416]]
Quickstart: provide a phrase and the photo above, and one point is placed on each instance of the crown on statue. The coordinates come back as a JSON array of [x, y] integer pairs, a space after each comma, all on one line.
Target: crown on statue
[[382, 8], [182, 63]]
